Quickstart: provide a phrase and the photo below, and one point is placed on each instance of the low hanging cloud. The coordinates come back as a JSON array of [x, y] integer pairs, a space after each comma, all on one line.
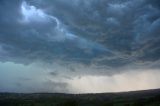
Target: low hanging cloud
[[106, 35]]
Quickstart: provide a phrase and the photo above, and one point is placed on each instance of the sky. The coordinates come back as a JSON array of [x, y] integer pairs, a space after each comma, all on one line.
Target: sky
[[79, 46]]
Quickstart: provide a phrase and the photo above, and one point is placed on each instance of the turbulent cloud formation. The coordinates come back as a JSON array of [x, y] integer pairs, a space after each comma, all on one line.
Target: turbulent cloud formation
[[81, 37]]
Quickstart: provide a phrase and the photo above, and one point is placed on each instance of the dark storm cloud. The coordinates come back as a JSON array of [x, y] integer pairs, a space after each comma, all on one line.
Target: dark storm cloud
[[53, 73], [38, 40], [115, 33]]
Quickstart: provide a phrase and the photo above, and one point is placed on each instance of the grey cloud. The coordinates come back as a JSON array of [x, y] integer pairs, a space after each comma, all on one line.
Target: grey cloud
[[52, 86], [155, 3], [115, 33], [34, 41], [56, 86], [53, 73]]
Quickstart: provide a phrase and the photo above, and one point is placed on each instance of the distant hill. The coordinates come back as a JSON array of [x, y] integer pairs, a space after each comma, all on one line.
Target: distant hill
[[133, 98]]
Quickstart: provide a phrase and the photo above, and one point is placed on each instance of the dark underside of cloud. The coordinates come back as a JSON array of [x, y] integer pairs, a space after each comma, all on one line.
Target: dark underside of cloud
[[107, 33]]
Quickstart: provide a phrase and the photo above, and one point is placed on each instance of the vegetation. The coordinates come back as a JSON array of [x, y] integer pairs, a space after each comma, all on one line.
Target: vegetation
[[137, 98]]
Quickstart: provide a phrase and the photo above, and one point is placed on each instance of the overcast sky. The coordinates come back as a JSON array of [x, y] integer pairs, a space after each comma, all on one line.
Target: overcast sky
[[79, 46]]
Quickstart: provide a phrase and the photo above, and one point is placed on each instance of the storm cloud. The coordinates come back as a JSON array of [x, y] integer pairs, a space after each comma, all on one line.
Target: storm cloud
[[81, 37]]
